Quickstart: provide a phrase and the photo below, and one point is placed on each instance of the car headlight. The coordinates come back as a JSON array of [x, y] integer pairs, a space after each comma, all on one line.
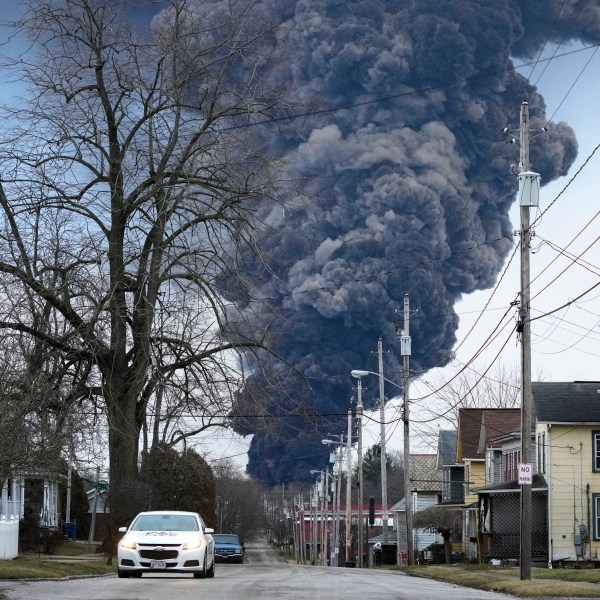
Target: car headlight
[[129, 544], [237, 551], [192, 544]]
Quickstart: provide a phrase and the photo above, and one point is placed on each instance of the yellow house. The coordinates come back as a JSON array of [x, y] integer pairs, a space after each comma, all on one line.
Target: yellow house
[[568, 456]]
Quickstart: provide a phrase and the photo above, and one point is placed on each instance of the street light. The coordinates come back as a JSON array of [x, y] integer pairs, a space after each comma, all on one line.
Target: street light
[[359, 413], [383, 455]]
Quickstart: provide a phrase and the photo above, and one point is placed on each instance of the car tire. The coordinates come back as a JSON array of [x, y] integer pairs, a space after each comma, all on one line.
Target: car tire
[[201, 574], [136, 574], [211, 572], [123, 574]]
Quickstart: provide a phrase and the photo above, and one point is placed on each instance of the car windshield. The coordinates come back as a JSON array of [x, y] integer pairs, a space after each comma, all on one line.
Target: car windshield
[[165, 523], [222, 538]]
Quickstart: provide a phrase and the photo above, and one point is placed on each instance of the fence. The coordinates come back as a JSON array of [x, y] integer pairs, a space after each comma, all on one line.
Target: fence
[[9, 537]]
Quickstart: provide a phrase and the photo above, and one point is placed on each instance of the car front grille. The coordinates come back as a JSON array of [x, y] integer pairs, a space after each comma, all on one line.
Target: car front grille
[[158, 554]]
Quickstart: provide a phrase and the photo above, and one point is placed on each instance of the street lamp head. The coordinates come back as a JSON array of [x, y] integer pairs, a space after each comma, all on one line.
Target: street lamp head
[[359, 374], [313, 471], [327, 442]]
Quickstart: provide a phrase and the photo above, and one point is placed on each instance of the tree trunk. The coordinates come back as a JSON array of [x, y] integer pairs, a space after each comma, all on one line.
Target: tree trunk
[[447, 549]]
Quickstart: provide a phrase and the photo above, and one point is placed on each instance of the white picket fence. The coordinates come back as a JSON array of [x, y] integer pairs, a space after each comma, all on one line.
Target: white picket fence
[[9, 537]]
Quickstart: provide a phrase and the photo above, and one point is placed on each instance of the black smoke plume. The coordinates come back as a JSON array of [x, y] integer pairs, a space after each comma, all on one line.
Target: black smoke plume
[[404, 190]]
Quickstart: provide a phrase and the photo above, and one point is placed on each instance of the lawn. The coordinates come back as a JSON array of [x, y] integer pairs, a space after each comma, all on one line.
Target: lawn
[[67, 562], [556, 583]]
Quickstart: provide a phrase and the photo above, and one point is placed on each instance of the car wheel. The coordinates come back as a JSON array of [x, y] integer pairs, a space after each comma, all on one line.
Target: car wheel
[[211, 572], [136, 574], [123, 574], [201, 574]]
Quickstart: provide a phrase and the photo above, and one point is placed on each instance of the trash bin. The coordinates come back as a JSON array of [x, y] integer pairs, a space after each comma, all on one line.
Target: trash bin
[[70, 530]]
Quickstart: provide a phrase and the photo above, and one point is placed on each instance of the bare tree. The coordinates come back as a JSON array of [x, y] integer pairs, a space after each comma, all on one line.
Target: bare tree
[[442, 520], [36, 422], [240, 507], [128, 178], [470, 387]]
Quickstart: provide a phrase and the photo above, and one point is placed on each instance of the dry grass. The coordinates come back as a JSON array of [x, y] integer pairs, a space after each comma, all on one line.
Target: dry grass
[[35, 568], [556, 583]]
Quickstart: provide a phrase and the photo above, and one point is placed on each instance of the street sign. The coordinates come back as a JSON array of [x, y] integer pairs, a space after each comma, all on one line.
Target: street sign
[[101, 485], [525, 473]]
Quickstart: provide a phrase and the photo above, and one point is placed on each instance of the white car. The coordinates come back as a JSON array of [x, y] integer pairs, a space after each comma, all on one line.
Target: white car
[[166, 541]]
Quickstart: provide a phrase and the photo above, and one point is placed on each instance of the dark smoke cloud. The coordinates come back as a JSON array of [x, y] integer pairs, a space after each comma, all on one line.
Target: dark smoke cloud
[[394, 186], [406, 195]]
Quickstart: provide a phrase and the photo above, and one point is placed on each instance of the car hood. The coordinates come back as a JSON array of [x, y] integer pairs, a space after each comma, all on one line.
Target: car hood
[[161, 537], [225, 545]]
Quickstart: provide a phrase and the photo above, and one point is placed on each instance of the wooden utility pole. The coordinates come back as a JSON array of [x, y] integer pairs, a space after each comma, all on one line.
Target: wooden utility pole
[[383, 454], [525, 201], [349, 488], [405, 349], [359, 415]]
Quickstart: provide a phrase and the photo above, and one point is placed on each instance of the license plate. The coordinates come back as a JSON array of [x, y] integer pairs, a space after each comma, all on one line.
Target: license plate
[[158, 564]]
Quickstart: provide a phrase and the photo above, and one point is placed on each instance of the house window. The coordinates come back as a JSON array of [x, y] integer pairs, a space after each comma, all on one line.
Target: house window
[[596, 517], [543, 452], [595, 450]]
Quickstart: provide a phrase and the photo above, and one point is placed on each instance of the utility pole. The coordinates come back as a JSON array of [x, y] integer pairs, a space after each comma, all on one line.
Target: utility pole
[[349, 488], [405, 350], [384, 505], [359, 414], [326, 516], [338, 492], [528, 196]]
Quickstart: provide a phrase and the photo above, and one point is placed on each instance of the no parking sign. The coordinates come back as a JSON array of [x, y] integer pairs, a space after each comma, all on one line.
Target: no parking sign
[[525, 473]]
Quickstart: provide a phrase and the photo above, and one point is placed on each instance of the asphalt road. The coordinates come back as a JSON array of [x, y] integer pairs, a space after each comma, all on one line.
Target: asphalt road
[[263, 576]]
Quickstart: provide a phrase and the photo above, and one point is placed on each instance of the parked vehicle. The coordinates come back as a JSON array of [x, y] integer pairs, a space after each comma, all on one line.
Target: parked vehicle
[[166, 541], [228, 547]]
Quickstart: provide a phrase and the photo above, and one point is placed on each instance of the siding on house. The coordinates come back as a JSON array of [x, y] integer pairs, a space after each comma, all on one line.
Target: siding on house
[[474, 478], [571, 486], [568, 442], [424, 539]]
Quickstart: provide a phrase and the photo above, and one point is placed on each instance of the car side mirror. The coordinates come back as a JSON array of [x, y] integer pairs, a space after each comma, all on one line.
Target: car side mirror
[[122, 529], [209, 530]]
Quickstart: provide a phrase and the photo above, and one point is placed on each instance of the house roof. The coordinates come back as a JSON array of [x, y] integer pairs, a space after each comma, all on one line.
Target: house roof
[[446, 448], [497, 423], [567, 402], [424, 475], [478, 426]]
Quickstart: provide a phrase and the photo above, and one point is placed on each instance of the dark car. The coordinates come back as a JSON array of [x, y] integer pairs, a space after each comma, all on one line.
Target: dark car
[[228, 547]]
